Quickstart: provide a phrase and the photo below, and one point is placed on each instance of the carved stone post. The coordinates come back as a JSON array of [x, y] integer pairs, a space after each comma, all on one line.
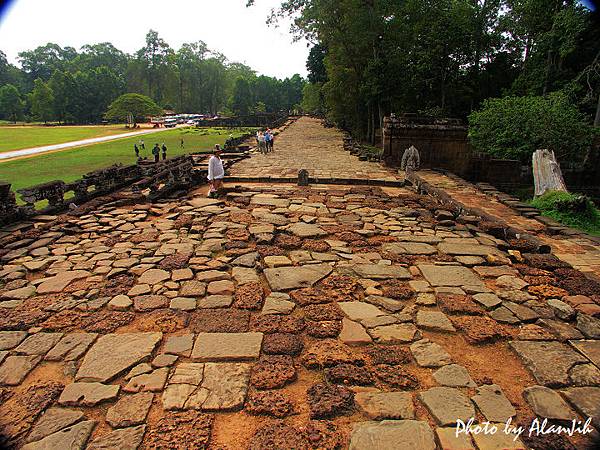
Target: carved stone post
[[411, 160], [303, 177], [547, 175]]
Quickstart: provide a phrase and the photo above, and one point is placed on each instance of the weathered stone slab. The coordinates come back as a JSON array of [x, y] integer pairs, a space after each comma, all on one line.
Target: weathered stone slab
[[547, 403], [498, 441], [589, 348], [278, 303], [285, 278], [396, 333], [227, 346], [447, 405], [38, 344], [586, 400], [306, 230], [14, 369], [449, 275], [386, 405], [467, 249], [434, 320], [430, 354], [115, 353], [148, 382], [380, 271], [450, 441], [179, 345], [453, 375], [388, 434], [88, 394], [123, 439], [410, 248], [353, 333], [154, 276], [71, 347], [130, 410], [60, 281], [226, 385], [493, 404], [548, 361], [10, 339], [53, 420], [72, 438], [359, 311]]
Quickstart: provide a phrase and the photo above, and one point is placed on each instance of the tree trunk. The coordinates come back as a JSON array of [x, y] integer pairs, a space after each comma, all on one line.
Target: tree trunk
[[547, 175], [597, 117]]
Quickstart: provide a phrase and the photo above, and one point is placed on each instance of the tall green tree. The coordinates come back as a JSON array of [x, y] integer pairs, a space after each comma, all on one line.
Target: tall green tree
[[42, 101], [241, 100], [137, 105], [11, 105]]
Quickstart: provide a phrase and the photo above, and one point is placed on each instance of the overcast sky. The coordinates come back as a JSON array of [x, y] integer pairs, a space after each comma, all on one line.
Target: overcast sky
[[227, 26]]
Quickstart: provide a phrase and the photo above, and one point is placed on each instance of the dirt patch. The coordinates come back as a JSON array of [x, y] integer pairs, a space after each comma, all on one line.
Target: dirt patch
[[219, 321], [343, 284], [249, 296], [544, 261], [282, 344], [310, 296], [546, 442], [288, 241], [536, 281], [272, 372], [329, 400], [547, 291], [315, 245], [397, 290], [166, 321], [278, 437], [146, 236], [396, 376], [269, 250], [270, 403], [190, 429], [21, 318], [121, 284], [349, 374], [96, 322]]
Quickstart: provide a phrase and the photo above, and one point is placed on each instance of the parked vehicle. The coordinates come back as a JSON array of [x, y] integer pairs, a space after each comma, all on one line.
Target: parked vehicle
[[170, 122]]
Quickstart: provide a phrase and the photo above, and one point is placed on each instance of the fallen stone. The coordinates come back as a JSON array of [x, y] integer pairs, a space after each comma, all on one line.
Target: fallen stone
[[154, 276], [120, 303], [215, 301], [130, 410], [450, 441], [359, 311], [183, 303], [112, 354], [410, 248], [10, 339], [148, 382], [380, 271], [38, 344], [396, 333], [278, 303], [386, 435], [193, 288], [224, 387], [589, 348], [87, 394], [487, 300], [547, 403], [144, 303], [305, 230], [586, 400], [179, 345], [386, 405], [447, 405], [353, 333], [227, 346], [588, 325], [498, 441], [53, 420], [493, 404], [285, 278], [73, 437]]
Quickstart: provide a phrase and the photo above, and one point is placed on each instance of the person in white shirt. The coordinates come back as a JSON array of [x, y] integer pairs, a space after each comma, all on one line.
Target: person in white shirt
[[215, 172]]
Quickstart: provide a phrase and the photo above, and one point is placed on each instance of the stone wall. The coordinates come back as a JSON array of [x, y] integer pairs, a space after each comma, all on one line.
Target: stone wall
[[265, 120]]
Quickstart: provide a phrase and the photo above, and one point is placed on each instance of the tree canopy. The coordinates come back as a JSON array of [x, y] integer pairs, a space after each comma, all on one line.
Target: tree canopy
[[194, 79], [137, 105]]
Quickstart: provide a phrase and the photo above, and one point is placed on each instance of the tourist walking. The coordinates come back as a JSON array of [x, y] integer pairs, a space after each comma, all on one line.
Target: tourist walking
[[156, 152], [216, 172], [182, 144], [164, 151], [136, 150], [142, 144], [262, 144]]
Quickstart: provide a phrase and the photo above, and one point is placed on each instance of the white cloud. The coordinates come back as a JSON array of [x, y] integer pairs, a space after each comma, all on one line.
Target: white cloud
[[226, 26]]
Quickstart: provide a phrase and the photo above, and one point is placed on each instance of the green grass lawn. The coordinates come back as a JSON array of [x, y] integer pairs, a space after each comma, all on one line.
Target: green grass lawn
[[69, 165], [19, 137]]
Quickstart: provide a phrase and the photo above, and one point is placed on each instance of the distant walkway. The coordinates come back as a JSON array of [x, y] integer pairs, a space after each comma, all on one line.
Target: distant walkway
[[66, 145], [307, 144]]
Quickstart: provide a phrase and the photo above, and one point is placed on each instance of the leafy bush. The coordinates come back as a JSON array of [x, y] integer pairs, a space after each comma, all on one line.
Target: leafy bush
[[515, 127], [574, 210]]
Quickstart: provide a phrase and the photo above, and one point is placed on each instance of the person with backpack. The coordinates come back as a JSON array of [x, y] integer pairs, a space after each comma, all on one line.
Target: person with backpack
[[164, 151]]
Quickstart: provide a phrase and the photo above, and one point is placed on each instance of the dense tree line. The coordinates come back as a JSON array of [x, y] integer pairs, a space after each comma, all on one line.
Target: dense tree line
[[442, 57], [62, 84]]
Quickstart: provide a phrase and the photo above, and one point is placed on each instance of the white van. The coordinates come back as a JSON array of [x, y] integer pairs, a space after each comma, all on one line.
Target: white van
[[170, 122]]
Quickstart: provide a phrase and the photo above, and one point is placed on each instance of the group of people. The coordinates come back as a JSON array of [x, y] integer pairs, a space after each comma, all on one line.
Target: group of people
[[156, 150], [265, 140]]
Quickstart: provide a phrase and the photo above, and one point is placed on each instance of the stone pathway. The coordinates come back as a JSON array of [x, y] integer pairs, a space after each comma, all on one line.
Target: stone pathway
[[306, 144], [280, 317], [579, 252]]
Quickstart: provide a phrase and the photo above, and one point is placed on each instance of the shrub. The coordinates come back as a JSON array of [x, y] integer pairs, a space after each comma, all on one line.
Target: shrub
[[574, 210], [515, 127]]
